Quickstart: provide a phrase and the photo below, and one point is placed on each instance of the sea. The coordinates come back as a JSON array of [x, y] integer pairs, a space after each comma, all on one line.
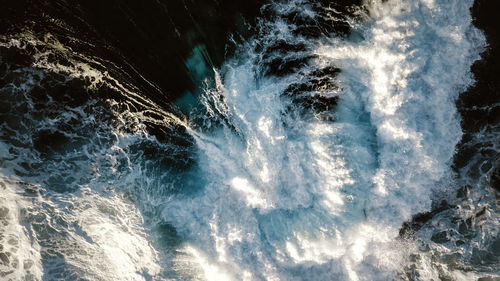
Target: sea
[[249, 140]]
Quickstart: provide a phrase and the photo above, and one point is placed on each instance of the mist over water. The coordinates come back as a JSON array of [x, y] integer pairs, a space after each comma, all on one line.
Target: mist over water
[[324, 147]]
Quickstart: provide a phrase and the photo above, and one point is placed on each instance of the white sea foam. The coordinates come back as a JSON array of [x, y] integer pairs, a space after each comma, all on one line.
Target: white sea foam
[[311, 199], [92, 233], [108, 242], [282, 196], [19, 252], [99, 234], [101, 237]]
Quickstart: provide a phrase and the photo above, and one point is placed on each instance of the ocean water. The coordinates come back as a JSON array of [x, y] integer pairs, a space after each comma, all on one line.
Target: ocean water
[[313, 140]]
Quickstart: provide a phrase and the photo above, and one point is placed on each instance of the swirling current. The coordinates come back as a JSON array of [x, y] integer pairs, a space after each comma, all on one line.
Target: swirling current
[[266, 140]]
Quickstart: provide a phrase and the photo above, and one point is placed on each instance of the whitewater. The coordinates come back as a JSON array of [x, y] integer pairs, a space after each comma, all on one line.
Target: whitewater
[[307, 172]]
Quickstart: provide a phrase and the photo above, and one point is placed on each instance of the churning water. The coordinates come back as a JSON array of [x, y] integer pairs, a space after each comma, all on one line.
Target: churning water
[[321, 150]]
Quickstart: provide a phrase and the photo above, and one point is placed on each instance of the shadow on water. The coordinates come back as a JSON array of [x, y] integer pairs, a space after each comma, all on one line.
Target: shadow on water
[[479, 105], [150, 40]]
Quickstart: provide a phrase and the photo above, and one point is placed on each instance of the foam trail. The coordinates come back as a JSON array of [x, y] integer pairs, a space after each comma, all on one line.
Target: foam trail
[[19, 253], [89, 233], [107, 242], [70, 222], [306, 198]]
